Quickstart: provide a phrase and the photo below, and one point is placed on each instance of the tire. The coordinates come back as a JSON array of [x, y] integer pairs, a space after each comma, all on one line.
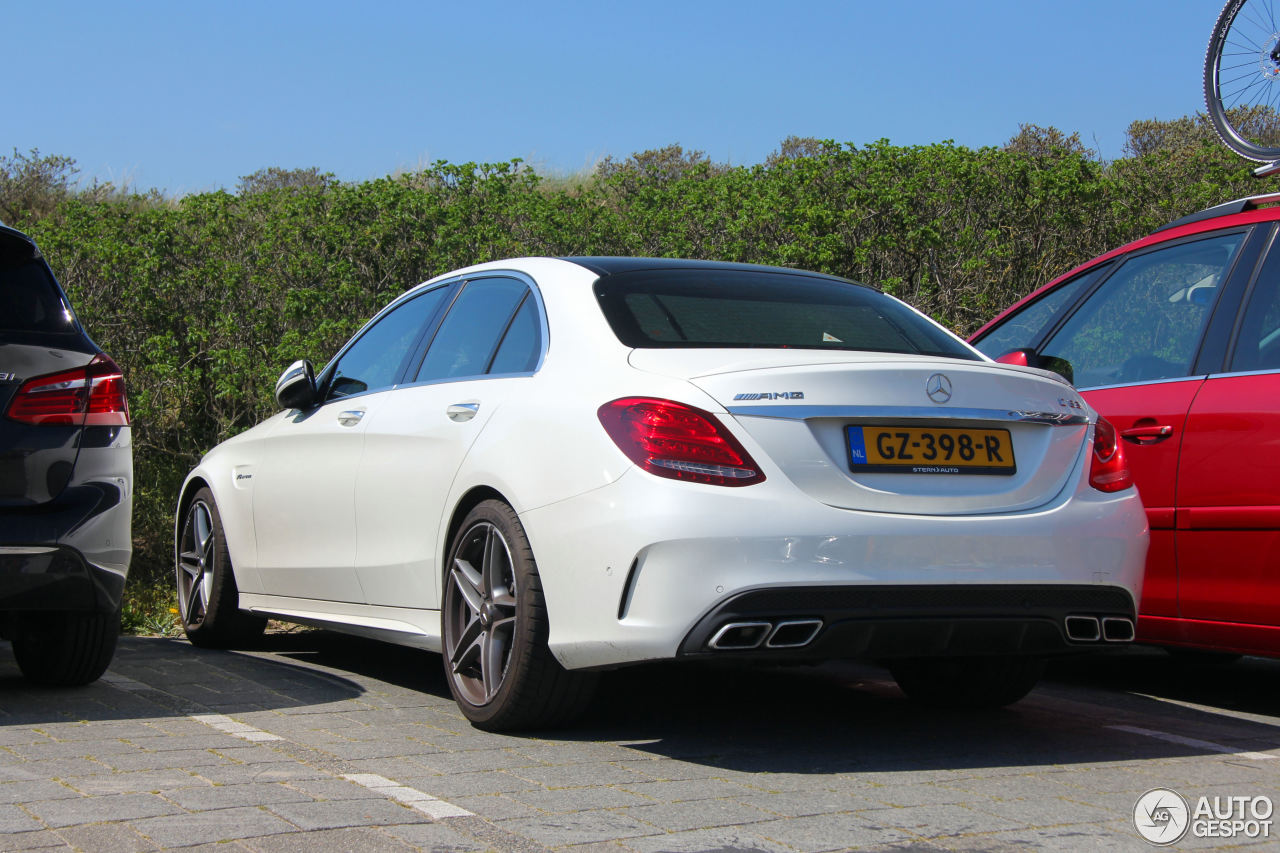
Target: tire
[[63, 649], [494, 620], [975, 682], [208, 600], [1242, 79]]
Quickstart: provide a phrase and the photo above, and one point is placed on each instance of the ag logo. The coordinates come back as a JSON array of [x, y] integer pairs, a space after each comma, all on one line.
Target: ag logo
[[1162, 816], [938, 387]]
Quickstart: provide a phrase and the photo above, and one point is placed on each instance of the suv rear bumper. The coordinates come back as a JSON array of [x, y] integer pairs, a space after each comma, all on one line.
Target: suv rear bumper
[[44, 577]]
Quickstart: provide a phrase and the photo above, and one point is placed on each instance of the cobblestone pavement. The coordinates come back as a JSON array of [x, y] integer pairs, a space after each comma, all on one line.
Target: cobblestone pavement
[[318, 742]]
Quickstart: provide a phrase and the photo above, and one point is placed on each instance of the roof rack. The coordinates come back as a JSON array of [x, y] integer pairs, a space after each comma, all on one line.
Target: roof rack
[[1239, 205]]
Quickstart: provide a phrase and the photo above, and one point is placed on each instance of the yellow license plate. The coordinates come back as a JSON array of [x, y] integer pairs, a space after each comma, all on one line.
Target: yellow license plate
[[932, 450]]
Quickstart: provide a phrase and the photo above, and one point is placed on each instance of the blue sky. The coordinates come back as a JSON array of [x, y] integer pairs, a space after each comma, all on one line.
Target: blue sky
[[189, 96]]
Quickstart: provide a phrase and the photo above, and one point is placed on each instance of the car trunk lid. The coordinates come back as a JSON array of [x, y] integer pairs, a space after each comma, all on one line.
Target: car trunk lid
[[936, 436]]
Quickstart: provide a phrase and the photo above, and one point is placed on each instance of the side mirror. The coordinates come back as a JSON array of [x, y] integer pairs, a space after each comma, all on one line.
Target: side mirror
[[1030, 358], [296, 388]]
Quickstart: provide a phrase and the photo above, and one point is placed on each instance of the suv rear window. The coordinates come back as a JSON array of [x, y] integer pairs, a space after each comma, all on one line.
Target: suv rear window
[[29, 298], [671, 309]]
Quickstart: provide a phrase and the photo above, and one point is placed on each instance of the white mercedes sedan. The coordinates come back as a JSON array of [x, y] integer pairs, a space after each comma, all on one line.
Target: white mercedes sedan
[[542, 468]]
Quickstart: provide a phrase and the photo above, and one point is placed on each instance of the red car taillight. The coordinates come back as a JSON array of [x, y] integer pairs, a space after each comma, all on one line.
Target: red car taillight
[[679, 442], [1108, 469], [92, 395]]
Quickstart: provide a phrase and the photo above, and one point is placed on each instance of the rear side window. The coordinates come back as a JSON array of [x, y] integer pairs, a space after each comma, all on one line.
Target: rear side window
[[471, 332], [30, 300], [740, 308]]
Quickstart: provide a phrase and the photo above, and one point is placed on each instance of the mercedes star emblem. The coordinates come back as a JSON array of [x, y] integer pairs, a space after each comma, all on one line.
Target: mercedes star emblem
[[938, 387]]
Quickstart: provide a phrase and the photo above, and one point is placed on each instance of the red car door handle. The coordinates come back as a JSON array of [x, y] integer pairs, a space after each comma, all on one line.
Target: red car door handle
[[1153, 434]]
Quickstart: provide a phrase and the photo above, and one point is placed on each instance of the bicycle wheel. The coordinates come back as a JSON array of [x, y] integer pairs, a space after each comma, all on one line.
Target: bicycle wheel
[[1242, 79]]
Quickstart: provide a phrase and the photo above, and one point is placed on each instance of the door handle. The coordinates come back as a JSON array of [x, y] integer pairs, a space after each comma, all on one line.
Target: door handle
[[351, 417], [1147, 434], [462, 411]]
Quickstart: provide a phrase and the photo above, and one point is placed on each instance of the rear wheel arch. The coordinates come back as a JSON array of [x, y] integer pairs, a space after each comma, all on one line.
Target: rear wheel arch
[[469, 501]]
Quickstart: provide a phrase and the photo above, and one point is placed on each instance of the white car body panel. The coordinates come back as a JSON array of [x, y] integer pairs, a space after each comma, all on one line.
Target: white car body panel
[[349, 529]]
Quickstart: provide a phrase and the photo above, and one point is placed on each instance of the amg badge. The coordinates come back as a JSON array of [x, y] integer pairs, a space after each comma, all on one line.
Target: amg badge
[[771, 395]]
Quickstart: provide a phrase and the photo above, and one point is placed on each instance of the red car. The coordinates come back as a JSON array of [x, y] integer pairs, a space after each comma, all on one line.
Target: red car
[[1175, 339]]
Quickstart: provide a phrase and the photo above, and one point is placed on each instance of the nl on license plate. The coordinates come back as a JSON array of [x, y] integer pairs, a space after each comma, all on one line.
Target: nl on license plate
[[933, 450]]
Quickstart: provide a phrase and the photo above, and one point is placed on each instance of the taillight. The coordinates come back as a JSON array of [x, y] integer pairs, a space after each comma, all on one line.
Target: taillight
[[1108, 469], [92, 395], [680, 442]]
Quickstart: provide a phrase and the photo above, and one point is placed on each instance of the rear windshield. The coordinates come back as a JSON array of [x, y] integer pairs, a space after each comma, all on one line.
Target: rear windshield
[[667, 309], [29, 299]]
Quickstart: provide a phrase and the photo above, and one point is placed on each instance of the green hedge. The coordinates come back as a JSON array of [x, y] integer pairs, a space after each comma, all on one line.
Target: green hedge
[[204, 299]]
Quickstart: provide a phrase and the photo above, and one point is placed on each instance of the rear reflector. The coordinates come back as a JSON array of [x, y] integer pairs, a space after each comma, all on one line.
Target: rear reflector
[[92, 395], [1108, 469], [679, 442]]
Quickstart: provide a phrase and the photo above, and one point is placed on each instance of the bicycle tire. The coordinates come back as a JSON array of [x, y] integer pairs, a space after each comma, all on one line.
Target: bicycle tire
[[1242, 79]]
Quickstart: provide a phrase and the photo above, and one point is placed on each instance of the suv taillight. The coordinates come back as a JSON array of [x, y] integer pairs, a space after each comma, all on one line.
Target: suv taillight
[[92, 395], [1108, 469], [679, 442]]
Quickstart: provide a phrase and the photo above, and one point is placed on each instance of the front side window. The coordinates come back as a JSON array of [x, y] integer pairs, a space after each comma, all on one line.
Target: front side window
[[667, 309], [1025, 329], [1145, 322], [1258, 342], [377, 358]]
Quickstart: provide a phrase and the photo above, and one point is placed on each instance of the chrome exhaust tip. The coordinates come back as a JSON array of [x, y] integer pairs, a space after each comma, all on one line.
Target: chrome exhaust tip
[[1083, 629], [794, 633], [1117, 629], [740, 635]]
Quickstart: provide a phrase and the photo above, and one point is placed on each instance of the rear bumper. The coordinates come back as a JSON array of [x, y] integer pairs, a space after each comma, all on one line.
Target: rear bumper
[[647, 569], [37, 578], [71, 553], [886, 622]]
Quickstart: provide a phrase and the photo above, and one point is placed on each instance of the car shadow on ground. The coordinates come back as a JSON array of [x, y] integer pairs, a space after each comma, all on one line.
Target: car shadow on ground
[[837, 717], [159, 676], [851, 717]]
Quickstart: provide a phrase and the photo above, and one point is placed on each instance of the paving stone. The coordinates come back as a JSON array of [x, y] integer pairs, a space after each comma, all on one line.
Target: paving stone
[[81, 810], [698, 814], [362, 839], [276, 771], [335, 814], [134, 782], [32, 790], [441, 838], [578, 827], [229, 796], [707, 841], [42, 840], [496, 806], [332, 789], [160, 760], [702, 789], [106, 838], [833, 832], [579, 799], [14, 819], [576, 775], [211, 827], [466, 784]]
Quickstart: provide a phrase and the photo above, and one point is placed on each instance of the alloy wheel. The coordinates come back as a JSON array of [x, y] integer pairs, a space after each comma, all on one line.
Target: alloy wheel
[[195, 565], [481, 613]]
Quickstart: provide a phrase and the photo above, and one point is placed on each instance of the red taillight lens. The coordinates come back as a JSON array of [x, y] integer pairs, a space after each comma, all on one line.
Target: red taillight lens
[[1108, 470], [680, 442], [92, 395]]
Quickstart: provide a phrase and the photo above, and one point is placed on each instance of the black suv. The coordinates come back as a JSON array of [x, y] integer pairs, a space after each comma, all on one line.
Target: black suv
[[66, 478]]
